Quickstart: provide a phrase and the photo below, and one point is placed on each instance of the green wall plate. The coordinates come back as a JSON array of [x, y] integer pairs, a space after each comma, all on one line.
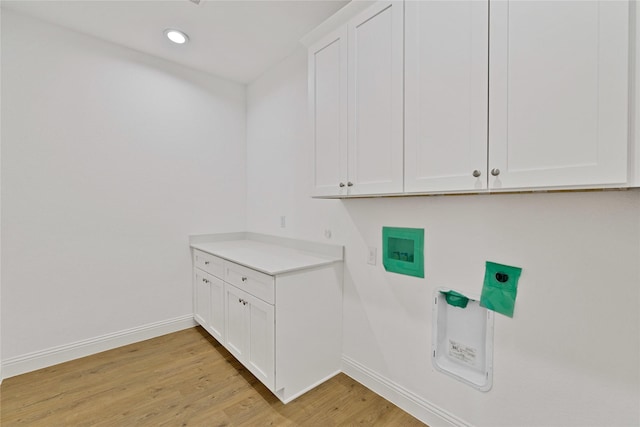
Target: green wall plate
[[403, 250]]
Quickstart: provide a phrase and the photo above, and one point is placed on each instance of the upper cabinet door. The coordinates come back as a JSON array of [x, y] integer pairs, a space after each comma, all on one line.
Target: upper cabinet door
[[558, 95], [328, 109], [446, 72], [375, 100]]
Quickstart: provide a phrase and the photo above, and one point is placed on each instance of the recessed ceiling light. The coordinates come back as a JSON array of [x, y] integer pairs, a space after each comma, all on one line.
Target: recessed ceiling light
[[176, 36]]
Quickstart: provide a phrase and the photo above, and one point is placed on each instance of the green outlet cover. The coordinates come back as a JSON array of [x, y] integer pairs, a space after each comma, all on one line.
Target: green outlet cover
[[500, 288], [403, 250]]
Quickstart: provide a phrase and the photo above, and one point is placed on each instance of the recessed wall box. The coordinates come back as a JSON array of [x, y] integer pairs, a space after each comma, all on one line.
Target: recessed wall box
[[462, 339], [403, 250]]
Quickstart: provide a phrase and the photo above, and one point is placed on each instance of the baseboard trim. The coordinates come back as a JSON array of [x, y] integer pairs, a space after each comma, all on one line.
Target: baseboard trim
[[64, 353], [293, 397], [420, 408]]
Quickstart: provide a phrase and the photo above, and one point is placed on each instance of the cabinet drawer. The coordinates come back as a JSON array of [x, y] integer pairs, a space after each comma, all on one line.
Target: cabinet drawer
[[209, 263], [253, 282]]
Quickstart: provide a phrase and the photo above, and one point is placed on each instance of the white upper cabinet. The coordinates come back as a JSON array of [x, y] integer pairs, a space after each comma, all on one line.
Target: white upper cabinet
[[558, 93], [375, 103], [328, 110], [446, 72], [454, 96]]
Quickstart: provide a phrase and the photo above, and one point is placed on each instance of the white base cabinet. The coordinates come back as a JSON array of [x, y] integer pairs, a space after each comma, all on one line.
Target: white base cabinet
[[285, 327]]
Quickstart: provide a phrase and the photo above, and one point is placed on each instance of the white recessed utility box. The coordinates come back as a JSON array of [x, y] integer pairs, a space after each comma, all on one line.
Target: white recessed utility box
[[463, 338]]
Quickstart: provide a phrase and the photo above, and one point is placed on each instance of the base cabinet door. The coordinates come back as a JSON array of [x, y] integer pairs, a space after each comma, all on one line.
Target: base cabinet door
[[260, 357], [208, 303], [235, 322], [216, 319], [202, 298], [250, 333]]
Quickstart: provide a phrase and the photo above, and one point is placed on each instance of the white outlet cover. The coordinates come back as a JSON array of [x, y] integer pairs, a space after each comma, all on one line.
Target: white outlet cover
[[373, 255]]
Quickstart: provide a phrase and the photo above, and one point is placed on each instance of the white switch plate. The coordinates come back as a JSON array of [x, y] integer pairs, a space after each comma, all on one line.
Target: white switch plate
[[373, 255]]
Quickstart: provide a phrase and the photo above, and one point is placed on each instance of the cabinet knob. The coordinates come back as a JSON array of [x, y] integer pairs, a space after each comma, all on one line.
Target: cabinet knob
[[477, 173], [240, 300], [206, 263], [244, 279], [349, 184], [495, 172], [341, 184]]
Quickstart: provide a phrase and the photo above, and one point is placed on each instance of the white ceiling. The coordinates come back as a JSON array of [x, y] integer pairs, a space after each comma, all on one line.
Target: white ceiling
[[237, 40]]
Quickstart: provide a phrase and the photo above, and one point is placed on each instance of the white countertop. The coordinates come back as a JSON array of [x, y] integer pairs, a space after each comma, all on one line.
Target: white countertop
[[267, 258]]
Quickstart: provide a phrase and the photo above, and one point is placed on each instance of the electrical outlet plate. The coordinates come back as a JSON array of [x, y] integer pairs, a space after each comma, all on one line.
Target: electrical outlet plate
[[373, 255]]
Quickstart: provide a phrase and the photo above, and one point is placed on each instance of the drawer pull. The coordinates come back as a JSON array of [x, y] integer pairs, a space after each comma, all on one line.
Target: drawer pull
[[206, 263], [244, 279]]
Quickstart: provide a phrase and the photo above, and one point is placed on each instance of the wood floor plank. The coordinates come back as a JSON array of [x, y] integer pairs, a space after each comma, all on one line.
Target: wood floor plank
[[181, 379]]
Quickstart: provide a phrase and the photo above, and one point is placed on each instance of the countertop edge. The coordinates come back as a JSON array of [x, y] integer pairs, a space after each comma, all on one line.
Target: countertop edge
[[323, 254]]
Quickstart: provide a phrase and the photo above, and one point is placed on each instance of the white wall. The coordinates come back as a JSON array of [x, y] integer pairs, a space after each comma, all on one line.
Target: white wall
[[571, 354], [110, 159], [278, 159], [0, 205]]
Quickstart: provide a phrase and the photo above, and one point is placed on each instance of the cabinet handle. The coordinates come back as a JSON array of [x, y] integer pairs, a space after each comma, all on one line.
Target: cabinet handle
[[240, 300], [205, 280], [477, 173], [349, 184], [495, 172], [341, 184], [244, 303], [244, 279], [206, 263]]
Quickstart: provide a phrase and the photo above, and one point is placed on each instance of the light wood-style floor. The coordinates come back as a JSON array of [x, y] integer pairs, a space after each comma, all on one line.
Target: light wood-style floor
[[181, 379]]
